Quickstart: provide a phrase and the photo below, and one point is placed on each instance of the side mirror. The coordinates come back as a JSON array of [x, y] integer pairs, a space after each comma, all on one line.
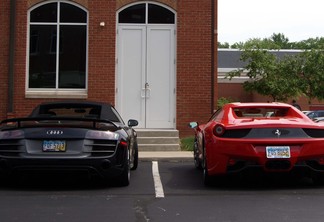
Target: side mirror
[[193, 125], [132, 122]]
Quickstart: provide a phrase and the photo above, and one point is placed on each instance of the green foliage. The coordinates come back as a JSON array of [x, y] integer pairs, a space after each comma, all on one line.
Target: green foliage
[[222, 101], [271, 76], [311, 43], [276, 41], [283, 78], [224, 45], [187, 143], [260, 44], [288, 77], [280, 40], [311, 77]]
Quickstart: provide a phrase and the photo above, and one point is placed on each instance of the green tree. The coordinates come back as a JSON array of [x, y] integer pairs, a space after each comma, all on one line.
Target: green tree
[[287, 77], [237, 45], [311, 43], [269, 75], [277, 41], [258, 43], [223, 45], [280, 40], [222, 101], [311, 77]]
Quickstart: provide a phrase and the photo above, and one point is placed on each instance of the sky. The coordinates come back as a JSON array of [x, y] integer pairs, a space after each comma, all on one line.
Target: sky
[[241, 20]]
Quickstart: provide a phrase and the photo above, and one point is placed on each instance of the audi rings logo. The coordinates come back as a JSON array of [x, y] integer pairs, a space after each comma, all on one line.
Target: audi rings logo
[[54, 132]]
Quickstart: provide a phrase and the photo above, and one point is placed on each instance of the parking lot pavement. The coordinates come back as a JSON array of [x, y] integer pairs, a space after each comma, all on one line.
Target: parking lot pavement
[[157, 155]]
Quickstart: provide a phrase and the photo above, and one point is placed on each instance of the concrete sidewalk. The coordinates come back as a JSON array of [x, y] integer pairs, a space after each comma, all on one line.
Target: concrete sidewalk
[[170, 155]]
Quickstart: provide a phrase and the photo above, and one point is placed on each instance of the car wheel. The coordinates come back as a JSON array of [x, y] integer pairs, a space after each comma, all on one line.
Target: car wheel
[[197, 161], [124, 178], [318, 179], [135, 161], [206, 177]]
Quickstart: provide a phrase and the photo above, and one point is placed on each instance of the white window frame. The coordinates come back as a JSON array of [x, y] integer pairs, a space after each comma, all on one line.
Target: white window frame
[[56, 92]]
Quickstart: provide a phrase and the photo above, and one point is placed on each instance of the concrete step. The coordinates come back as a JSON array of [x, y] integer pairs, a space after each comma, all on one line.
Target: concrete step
[[158, 147], [158, 140], [157, 133]]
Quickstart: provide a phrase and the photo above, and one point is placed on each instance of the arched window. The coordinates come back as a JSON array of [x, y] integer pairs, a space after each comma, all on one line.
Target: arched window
[[146, 13], [57, 47]]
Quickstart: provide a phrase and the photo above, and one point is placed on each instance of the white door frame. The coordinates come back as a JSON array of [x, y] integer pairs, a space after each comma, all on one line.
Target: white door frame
[[143, 93]]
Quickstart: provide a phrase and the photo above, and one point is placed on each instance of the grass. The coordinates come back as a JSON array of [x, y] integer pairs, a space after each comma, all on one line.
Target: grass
[[187, 143]]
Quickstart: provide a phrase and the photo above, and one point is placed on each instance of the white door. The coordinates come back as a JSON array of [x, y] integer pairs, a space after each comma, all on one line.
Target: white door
[[146, 74], [131, 73], [160, 77]]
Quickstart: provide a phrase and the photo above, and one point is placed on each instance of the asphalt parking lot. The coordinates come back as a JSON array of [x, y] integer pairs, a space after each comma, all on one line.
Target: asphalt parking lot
[[180, 196]]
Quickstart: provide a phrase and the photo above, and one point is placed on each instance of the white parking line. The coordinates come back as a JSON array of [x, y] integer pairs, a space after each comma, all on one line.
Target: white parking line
[[159, 193]]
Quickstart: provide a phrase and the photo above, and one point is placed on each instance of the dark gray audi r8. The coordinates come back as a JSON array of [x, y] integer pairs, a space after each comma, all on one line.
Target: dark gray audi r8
[[81, 136]]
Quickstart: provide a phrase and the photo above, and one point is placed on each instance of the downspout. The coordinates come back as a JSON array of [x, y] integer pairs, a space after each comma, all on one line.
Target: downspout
[[213, 11], [11, 55]]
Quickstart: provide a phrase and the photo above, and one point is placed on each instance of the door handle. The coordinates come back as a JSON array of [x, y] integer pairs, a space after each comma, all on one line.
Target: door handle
[[143, 93], [146, 91]]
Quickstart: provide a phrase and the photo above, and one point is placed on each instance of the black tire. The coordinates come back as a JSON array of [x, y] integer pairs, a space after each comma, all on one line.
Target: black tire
[[135, 161], [207, 179], [124, 179], [318, 179], [197, 161]]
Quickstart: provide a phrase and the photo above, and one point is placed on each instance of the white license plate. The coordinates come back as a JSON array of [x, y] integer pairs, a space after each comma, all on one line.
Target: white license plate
[[54, 146], [278, 152]]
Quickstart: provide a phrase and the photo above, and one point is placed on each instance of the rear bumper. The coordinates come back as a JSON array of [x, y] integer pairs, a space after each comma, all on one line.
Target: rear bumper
[[277, 166], [233, 156], [104, 167]]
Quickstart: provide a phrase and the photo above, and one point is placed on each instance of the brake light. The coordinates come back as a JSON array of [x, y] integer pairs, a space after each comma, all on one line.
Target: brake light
[[321, 161], [12, 134], [219, 130], [123, 144]]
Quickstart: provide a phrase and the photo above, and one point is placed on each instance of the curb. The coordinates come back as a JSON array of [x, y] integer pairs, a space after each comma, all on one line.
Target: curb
[[166, 155]]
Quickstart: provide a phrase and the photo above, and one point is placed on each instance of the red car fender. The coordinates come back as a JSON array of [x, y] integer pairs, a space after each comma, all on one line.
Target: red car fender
[[216, 162]]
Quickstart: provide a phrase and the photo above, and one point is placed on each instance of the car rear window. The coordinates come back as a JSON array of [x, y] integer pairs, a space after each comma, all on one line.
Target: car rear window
[[71, 111], [261, 112]]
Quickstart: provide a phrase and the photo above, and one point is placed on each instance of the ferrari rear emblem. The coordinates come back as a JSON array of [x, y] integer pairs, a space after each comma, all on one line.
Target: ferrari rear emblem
[[277, 132]]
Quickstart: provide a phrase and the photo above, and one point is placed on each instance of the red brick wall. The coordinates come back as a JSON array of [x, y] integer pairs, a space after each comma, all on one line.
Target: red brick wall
[[193, 63], [20, 103], [234, 91], [101, 65], [194, 57], [101, 73], [4, 54]]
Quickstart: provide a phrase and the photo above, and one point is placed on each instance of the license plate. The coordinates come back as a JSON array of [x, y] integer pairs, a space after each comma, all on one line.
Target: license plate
[[278, 152], [54, 146]]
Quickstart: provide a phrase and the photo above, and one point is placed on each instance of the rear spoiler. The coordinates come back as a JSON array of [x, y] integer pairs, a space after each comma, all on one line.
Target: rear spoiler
[[17, 122]]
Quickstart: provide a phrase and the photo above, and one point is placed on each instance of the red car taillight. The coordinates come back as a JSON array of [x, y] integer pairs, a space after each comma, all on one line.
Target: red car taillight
[[123, 144], [219, 130]]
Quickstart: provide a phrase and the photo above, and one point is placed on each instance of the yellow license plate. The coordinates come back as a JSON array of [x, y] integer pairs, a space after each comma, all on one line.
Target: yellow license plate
[[54, 146]]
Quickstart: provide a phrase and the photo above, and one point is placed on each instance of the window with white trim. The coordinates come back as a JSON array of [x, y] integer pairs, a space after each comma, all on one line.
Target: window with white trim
[[57, 58], [146, 13]]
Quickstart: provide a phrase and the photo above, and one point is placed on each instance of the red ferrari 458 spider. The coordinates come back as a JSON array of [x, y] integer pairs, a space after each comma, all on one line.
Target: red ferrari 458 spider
[[273, 137]]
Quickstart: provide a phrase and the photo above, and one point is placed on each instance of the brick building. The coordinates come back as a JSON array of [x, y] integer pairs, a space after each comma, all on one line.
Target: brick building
[[229, 60], [155, 61]]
